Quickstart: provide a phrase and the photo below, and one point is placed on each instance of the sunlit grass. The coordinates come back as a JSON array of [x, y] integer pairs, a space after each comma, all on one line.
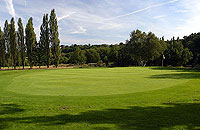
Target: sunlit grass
[[100, 98]]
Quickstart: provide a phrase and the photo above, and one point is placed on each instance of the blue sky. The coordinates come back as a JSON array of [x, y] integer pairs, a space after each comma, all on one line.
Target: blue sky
[[108, 21]]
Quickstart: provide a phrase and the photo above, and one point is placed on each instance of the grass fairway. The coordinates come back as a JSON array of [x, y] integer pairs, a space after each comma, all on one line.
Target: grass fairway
[[132, 98]]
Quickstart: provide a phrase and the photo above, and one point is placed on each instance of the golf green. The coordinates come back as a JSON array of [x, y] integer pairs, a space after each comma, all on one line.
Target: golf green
[[140, 98]]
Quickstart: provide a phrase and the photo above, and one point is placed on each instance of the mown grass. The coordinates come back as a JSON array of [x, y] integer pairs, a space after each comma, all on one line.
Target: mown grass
[[109, 98]]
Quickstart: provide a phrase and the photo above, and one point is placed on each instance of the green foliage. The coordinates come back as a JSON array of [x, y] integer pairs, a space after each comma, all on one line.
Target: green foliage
[[30, 42], [64, 59], [154, 47], [105, 59], [113, 55], [2, 49], [13, 43], [21, 43], [54, 38], [140, 50], [135, 46], [92, 56], [7, 43], [44, 44], [186, 56], [103, 51], [192, 43], [176, 54], [124, 58], [144, 47], [78, 57]]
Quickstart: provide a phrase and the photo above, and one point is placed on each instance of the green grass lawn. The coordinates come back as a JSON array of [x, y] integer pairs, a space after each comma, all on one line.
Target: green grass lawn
[[132, 98]]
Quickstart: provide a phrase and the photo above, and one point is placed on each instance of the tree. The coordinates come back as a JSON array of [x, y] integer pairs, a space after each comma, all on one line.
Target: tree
[[44, 44], [113, 55], [186, 56], [64, 59], [143, 47], [55, 42], [2, 49], [13, 43], [135, 46], [176, 54], [105, 59], [124, 58], [78, 57], [7, 42], [104, 51], [21, 42], [30, 41], [192, 43], [92, 56], [154, 47], [40, 53]]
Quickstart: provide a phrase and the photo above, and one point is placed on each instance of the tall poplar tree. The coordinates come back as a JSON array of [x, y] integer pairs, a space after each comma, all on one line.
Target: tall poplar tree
[[13, 43], [2, 49], [55, 42], [30, 41], [21, 42], [7, 42], [44, 43]]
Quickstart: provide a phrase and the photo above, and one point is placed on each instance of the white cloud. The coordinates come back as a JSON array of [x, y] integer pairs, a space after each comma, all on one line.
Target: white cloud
[[65, 16], [80, 30], [1, 25], [141, 10], [181, 11], [10, 7], [159, 17], [24, 2], [108, 26], [190, 23], [96, 41], [101, 22]]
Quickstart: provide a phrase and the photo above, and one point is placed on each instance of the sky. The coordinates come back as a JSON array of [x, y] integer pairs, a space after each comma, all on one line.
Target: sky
[[107, 21]]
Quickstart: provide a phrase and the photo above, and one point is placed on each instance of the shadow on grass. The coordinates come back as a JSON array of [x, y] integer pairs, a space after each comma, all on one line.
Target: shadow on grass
[[178, 69], [135, 117], [181, 73], [8, 109], [177, 76]]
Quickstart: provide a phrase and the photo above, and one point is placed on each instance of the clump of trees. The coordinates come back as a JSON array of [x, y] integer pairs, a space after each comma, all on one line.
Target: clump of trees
[[139, 50], [176, 54], [19, 49], [142, 48]]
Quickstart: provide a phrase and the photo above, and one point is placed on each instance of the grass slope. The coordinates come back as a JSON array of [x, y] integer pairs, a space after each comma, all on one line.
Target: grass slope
[[101, 98]]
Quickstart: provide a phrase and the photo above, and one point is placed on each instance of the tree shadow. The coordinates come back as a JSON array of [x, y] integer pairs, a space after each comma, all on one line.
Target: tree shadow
[[177, 76], [135, 117], [178, 69], [8, 109], [185, 73]]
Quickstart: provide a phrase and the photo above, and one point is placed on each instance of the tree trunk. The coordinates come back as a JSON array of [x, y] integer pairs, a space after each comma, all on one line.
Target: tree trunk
[[31, 66]]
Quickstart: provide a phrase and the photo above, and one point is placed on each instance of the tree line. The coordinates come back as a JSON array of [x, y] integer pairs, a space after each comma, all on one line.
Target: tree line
[[140, 49], [20, 47]]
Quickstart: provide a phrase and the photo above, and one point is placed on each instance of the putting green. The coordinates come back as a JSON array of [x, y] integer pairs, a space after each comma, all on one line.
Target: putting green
[[129, 98], [91, 82]]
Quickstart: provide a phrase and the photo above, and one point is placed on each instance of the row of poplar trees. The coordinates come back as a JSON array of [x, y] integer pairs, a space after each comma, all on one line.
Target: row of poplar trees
[[15, 47]]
